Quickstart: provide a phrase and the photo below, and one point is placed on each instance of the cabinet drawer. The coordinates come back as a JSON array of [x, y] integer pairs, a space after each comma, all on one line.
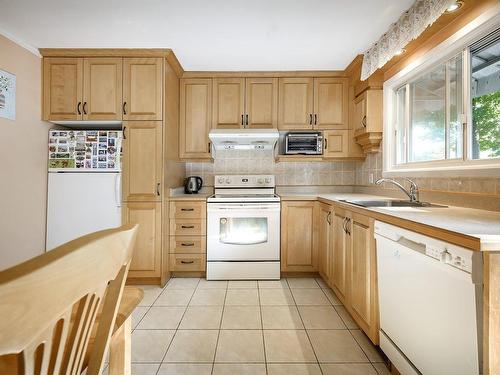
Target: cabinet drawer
[[188, 210], [188, 227], [188, 244], [187, 262]]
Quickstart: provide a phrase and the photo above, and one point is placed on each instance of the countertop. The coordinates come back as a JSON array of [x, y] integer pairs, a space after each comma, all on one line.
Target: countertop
[[471, 228], [479, 225]]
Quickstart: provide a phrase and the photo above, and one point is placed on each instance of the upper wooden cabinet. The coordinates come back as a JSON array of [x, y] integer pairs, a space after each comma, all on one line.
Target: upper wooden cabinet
[[295, 103], [102, 88], [313, 103], [245, 103], [299, 252], [142, 88], [368, 120], [336, 143], [62, 88], [228, 103], [331, 103], [195, 118], [261, 105], [142, 160]]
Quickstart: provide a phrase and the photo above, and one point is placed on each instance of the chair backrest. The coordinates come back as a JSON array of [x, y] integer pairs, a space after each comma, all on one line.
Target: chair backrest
[[48, 305]]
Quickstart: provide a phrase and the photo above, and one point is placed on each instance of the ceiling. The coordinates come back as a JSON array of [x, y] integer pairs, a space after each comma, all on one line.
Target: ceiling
[[210, 35]]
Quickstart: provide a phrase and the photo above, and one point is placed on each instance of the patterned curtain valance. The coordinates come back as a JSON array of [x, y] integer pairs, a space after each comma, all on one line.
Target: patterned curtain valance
[[409, 26]]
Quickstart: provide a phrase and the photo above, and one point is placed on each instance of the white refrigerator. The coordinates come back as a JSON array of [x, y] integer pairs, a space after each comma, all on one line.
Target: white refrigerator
[[84, 184]]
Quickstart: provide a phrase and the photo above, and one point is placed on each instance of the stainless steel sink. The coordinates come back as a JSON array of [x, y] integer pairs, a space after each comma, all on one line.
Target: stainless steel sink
[[391, 203]]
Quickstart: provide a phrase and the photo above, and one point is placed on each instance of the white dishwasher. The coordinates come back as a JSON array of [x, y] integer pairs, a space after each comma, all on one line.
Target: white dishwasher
[[430, 297]]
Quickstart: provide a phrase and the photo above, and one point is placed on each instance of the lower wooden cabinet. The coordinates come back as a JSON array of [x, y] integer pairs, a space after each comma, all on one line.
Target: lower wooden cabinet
[[299, 252], [362, 298], [325, 241], [351, 269], [188, 240], [146, 261], [339, 255]]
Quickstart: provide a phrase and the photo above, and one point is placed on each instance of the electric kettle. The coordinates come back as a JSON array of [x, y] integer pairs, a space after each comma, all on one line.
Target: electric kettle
[[193, 184]]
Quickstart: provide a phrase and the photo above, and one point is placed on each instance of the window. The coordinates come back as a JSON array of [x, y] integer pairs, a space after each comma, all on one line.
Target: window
[[446, 114], [485, 93]]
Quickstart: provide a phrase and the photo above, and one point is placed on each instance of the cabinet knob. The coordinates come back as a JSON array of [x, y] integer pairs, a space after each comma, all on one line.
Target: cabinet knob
[[78, 108], [363, 121], [124, 108]]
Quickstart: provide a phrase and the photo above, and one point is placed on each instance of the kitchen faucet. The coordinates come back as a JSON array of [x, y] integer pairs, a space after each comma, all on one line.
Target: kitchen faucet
[[412, 193]]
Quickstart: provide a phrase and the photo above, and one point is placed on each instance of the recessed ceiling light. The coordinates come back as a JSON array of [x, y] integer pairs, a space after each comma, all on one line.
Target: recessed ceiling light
[[400, 52], [453, 7]]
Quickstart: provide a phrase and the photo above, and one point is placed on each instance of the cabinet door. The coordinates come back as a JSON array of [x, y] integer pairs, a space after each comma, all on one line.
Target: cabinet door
[[325, 222], [339, 256], [142, 160], [331, 105], [336, 143], [360, 113], [261, 103], [146, 260], [298, 249], [195, 118], [142, 88], [295, 103], [362, 275], [228, 103], [62, 88], [102, 88]]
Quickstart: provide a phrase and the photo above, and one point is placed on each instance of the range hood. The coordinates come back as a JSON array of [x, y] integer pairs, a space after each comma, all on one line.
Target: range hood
[[243, 139]]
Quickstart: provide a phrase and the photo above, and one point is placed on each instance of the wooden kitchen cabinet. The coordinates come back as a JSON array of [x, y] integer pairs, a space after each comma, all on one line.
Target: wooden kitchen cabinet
[[62, 88], [245, 103], [102, 88], [299, 252], [142, 88], [261, 103], [331, 103], [195, 118], [146, 260], [336, 143], [362, 270], [295, 103], [325, 241], [368, 119], [142, 160], [341, 246], [228, 103]]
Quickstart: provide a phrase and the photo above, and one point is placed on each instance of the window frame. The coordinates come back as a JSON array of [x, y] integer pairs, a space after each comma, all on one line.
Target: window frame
[[455, 45]]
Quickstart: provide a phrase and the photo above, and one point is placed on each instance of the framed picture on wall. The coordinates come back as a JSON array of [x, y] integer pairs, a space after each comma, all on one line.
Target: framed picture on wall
[[7, 95]]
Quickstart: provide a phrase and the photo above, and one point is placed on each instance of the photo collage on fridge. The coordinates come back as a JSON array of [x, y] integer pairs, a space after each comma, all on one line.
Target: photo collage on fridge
[[85, 149]]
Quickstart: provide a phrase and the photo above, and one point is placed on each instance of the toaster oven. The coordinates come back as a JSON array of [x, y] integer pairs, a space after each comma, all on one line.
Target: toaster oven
[[304, 143]]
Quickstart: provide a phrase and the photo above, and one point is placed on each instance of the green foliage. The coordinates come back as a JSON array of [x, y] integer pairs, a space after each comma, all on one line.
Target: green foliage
[[486, 125]]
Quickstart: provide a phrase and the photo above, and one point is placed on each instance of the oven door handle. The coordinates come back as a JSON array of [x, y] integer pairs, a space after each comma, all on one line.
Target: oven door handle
[[246, 208]]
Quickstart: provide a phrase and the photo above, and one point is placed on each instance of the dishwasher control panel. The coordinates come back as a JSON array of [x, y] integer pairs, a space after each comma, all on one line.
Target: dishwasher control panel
[[448, 256]]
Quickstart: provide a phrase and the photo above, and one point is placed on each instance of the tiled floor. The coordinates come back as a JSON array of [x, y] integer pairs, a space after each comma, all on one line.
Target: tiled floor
[[289, 327]]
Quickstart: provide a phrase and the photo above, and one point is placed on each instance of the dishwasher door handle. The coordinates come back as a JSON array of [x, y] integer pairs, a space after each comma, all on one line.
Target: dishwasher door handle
[[416, 246]]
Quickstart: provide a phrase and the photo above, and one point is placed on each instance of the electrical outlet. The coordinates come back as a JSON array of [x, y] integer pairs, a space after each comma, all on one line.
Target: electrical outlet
[[370, 178]]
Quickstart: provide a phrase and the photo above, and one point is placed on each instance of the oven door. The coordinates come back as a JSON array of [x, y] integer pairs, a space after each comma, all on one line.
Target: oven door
[[243, 231]]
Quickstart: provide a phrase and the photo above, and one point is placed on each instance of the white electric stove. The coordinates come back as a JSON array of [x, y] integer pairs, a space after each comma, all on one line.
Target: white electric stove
[[243, 229]]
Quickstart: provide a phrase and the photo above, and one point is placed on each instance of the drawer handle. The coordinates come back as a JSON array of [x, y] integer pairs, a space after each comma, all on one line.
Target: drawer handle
[[187, 226], [187, 261], [187, 209], [187, 244]]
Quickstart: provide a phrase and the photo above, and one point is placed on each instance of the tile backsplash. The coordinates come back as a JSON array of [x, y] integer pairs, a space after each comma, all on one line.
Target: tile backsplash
[[287, 173], [372, 165], [322, 173]]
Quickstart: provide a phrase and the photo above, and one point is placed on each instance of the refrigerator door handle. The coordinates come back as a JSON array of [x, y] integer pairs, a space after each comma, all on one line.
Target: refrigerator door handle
[[118, 190]]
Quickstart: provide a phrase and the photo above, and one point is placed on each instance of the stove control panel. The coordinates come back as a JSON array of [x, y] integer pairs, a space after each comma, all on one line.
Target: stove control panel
[[245, 181]]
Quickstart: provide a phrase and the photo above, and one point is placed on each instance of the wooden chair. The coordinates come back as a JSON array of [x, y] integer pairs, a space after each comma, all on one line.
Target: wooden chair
[[49, 304]]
